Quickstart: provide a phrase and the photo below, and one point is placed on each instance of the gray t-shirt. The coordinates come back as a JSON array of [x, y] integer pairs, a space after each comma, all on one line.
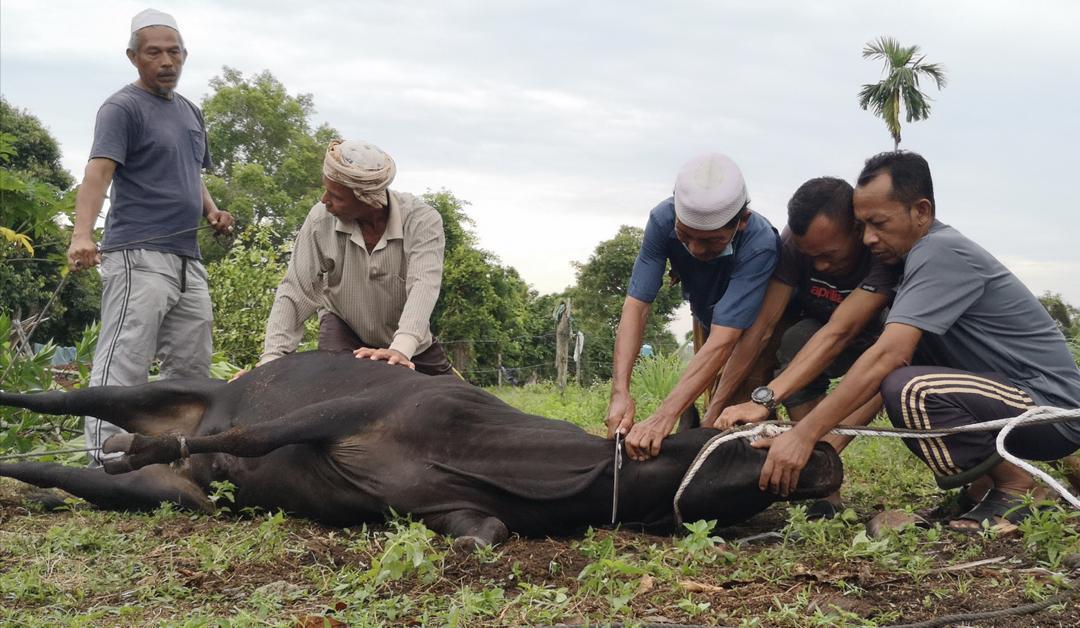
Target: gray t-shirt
[[977, 316], [160, 149]]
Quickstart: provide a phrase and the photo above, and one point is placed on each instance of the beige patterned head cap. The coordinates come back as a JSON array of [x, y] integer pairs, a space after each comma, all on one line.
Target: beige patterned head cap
[[362, 167]]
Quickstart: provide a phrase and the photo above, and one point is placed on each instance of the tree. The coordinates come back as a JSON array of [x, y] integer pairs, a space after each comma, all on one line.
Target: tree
[[1064, 314], [904, 66], [483, 315], [598, 296], [242, 289], [35, 195], [36, 152], [267, 156]]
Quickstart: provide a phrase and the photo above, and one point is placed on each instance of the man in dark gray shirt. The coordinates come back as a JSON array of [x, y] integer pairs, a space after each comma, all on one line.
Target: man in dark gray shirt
[[995, 351], [150, 144]]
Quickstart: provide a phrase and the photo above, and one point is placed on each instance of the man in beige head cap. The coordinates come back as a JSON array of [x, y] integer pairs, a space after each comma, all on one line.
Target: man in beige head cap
[[150, 145], [368, 260]]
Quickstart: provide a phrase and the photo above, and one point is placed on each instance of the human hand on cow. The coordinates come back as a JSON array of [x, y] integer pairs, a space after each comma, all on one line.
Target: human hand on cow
[[741, 414], [788, 455], [390, 356], [643, 441], [620, 415]]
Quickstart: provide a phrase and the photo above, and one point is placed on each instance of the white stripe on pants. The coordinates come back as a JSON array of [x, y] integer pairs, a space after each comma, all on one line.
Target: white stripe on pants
[[145, 315]]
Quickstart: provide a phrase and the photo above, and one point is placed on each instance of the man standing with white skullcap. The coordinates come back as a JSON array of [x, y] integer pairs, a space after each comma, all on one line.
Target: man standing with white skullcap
[[368, 260], [150, 144], [723, 254]]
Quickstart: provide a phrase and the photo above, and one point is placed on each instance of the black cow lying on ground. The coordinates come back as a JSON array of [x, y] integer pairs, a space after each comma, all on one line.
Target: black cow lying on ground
[[344, 441]]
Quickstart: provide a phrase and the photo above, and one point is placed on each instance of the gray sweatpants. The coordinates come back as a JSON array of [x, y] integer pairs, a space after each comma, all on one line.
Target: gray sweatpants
[[144, 314]]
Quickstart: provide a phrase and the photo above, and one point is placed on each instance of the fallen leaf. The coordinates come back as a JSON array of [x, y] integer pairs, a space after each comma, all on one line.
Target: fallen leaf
[[319, 621], [700, 587]]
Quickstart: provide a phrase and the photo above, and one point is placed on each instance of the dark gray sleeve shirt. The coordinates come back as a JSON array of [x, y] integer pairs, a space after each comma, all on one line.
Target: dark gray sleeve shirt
[[159, 146], [977, 316]]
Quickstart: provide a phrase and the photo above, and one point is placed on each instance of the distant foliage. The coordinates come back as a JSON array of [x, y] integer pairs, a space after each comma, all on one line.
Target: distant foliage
[[486, 311], [1067, 318], [37, 153], [267, 152], [21, 430], [598, 297], [33, 244], [899, 87], [242, 287]]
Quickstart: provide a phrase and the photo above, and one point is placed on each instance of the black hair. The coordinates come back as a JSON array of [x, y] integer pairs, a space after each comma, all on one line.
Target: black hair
[[910, 176], [823, 196]]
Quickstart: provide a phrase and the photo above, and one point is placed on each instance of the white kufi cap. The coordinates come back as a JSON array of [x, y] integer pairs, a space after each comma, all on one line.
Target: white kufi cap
[[153, 17], [709, 192]]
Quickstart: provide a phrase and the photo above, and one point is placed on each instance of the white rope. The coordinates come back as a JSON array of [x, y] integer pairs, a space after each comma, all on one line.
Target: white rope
[[770, 429], [1030, 468]]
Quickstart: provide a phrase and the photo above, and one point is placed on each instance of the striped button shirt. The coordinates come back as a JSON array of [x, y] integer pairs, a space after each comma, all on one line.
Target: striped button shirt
[[385, 296]]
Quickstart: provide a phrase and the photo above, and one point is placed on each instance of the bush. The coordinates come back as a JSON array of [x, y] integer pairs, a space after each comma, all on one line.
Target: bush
[[22, 430], [242, 287]]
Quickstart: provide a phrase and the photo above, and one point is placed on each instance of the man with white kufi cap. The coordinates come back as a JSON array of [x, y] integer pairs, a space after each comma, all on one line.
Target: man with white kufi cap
[[368, 261], [723, 254], [150, 145]]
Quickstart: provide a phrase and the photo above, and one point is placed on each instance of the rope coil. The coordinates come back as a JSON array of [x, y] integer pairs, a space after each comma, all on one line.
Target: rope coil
[[770, 429]]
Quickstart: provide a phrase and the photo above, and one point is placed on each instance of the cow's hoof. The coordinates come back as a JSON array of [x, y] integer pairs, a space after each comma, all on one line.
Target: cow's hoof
[[118, 443], [469, 544], [116, 466]]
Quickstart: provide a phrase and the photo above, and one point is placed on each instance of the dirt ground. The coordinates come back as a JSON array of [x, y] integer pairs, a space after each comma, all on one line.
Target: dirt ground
[[809, 585]]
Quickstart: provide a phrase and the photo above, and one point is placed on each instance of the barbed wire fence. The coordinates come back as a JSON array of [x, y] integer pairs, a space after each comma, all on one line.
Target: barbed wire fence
[[566, 361]]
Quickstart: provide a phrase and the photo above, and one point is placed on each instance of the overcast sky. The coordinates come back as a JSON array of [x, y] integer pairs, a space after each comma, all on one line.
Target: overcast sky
[[560, 121]]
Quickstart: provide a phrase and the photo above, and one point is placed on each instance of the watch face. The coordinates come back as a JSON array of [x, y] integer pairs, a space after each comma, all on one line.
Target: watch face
[[761, 395]]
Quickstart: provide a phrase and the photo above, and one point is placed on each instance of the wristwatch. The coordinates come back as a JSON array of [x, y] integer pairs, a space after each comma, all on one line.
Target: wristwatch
[[764, 396]]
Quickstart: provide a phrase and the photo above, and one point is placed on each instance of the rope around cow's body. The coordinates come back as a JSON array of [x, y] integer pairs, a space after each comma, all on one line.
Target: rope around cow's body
[[769, 429]]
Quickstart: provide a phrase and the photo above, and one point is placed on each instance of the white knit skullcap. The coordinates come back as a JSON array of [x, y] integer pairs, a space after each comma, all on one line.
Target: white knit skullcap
[[153, 17], [709, 191]]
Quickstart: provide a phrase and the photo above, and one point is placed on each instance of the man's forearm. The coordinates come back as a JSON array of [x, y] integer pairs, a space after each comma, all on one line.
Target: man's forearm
[[750, 345], [88, 203], [627, 344], [861, 384], [208, 204], [738, 366], [812, 360], [700, 372]]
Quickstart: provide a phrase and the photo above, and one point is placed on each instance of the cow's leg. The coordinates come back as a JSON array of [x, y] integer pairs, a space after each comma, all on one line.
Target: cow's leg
[[167, 406], [469, 528], [318, 423], [142, 490]]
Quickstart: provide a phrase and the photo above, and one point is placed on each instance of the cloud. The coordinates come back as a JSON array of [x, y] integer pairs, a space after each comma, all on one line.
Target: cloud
[[562, 120]]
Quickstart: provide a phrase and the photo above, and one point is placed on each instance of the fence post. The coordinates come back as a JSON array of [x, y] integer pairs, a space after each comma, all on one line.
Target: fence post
[[499, 369], [579, 354], [562, 342]]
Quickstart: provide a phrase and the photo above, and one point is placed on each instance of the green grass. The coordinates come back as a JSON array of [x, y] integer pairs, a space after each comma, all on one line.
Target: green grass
[[168, 567]]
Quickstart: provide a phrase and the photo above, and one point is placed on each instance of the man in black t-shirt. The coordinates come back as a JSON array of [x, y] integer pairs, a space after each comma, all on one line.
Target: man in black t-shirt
[[824, 303]]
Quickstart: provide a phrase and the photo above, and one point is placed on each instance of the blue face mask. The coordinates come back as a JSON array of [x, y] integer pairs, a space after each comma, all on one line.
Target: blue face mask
[[728, 250]]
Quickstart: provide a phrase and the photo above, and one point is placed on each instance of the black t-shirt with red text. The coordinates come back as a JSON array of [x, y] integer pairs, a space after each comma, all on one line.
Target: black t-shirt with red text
[[818, 294]]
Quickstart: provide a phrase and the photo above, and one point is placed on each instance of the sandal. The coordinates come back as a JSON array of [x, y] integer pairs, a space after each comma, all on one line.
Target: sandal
[[952, 505], [823, 509], [997, 508]]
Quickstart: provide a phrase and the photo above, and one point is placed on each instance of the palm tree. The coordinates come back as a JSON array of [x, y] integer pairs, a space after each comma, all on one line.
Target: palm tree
[[903, 68]]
